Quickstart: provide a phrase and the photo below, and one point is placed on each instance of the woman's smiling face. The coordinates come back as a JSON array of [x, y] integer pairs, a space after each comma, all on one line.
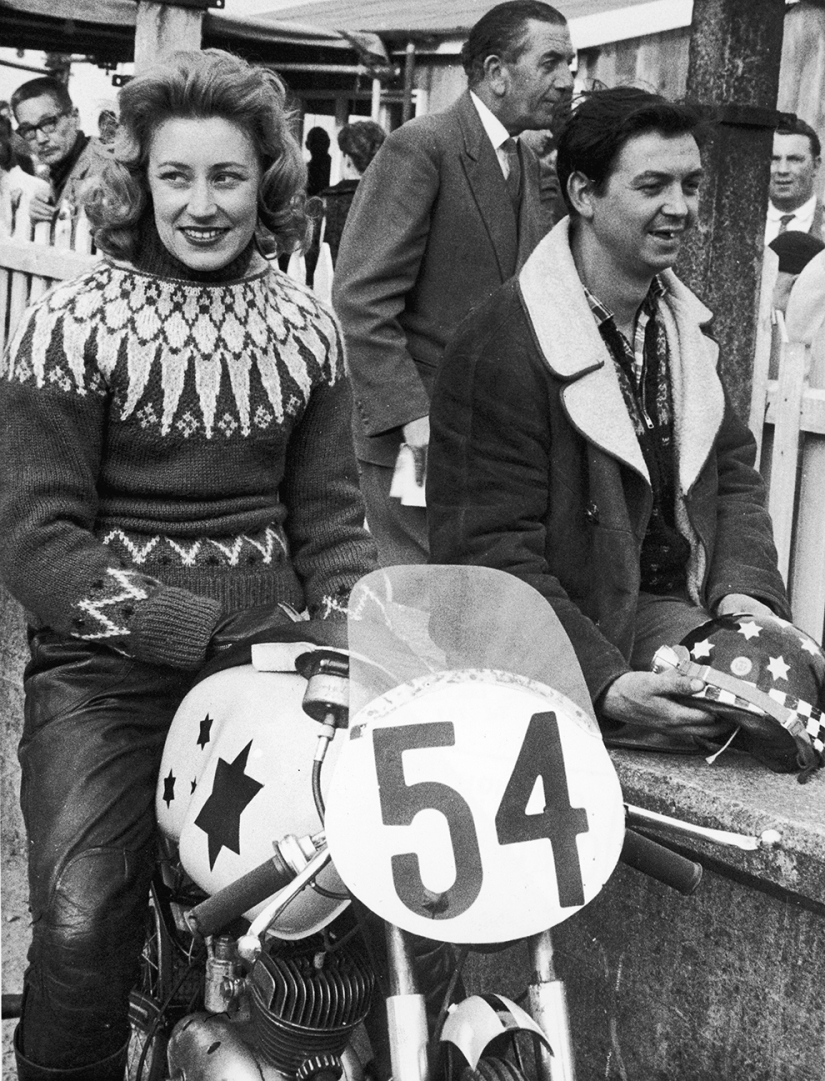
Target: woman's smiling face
[[204, 176]]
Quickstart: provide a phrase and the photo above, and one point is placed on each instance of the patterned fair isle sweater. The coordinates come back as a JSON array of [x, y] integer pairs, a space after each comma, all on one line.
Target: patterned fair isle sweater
[[174, 451]]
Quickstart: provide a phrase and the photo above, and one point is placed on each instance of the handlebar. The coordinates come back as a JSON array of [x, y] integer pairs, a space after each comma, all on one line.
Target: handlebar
[[661, 863], [213, 914]]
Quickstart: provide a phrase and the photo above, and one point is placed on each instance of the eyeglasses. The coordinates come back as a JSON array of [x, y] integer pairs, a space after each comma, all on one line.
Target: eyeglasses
[[48, 125]]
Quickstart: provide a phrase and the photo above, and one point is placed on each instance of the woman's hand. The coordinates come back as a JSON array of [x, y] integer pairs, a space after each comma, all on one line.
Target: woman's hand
[[652, 699]]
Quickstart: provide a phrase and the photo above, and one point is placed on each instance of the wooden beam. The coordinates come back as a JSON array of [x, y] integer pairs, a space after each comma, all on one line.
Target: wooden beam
[[161, 29]]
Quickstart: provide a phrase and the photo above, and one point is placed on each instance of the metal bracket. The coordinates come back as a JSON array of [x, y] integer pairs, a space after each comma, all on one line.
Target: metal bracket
[[750, 116], [201, 5]]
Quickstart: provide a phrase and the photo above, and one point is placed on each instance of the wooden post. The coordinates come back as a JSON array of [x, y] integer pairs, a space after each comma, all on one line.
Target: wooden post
[[735, 49], [162, 28], [409, 80]]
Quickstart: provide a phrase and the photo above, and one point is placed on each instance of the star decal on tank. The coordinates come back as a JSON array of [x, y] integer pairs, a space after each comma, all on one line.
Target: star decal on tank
[[220, 816], [169, 788], [205, 728]]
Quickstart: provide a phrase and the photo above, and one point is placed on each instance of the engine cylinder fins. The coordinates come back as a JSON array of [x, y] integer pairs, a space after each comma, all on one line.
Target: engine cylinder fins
[[300, 1010], [328, 1067]]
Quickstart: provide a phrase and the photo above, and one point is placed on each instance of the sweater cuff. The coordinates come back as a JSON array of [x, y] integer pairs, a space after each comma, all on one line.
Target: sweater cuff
[[173, 628]]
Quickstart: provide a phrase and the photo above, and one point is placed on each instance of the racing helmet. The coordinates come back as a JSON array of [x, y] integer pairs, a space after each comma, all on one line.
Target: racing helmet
[[765, 676]]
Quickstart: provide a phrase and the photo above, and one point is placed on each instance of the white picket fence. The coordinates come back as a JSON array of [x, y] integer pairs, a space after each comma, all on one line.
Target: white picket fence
[[33, 258], [788, 420]]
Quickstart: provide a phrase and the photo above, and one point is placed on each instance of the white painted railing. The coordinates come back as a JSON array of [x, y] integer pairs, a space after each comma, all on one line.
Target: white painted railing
[[788, 420]]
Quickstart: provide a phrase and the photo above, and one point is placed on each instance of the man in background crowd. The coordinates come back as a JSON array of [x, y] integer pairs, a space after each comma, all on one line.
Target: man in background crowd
[[793, 202], [48, 121], [448, 210]]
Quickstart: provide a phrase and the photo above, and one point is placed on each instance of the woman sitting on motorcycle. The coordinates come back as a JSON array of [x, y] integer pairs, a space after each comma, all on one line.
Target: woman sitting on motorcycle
[[175, 443]]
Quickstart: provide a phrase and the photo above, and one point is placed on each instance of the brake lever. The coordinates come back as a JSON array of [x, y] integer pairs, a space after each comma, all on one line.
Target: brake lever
[[767, 839]]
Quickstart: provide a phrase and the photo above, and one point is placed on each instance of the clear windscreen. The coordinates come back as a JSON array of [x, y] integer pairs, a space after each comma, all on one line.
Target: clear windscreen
[[409, 621]]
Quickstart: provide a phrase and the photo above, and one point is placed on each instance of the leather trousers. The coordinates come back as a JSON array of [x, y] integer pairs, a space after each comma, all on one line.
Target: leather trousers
[[95, 725]]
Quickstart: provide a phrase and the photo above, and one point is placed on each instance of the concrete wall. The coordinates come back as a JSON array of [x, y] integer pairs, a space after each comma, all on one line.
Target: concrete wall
[[725, 985]]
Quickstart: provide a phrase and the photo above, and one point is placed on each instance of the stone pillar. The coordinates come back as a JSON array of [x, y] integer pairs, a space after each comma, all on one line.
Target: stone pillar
[[735, 50], [162, 28]]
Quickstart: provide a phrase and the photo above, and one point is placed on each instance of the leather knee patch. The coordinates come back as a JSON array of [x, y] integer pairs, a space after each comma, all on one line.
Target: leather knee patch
[[93, 921]]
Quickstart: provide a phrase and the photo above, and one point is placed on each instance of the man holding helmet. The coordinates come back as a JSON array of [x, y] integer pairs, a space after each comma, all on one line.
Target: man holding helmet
[[583, 441]]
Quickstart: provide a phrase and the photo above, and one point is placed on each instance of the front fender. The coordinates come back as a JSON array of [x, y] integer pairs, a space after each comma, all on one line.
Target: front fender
[[473, 1023]]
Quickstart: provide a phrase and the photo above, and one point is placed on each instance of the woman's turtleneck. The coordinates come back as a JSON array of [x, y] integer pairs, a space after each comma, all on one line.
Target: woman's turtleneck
[[153, 257]]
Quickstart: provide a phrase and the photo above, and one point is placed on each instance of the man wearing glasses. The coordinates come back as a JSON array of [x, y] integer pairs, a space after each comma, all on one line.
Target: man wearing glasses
[[48, 121]]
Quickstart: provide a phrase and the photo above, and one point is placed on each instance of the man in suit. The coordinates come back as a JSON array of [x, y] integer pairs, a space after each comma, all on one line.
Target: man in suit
[[582, 439], [794, 164], [448, 210]]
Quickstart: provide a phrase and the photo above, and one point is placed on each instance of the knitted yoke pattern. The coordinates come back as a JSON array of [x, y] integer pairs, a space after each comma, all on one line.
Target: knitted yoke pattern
[[174, 451]]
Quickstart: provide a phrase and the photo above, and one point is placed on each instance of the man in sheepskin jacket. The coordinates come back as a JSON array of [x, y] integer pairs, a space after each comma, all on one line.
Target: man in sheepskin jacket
[[582, 439]]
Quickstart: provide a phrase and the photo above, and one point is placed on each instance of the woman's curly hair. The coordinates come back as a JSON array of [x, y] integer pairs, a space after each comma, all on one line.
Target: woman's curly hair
[[200, 85]]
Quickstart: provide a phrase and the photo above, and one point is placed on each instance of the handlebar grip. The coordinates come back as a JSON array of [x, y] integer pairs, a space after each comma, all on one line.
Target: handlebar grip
[[661, 863], [257, 885]]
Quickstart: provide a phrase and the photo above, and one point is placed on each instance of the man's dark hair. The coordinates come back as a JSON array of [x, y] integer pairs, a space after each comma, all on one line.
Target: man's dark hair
[[361, 141], [36, 88], [796, 249], [317, 141], [604, 120], [799, 127], [502, 32]]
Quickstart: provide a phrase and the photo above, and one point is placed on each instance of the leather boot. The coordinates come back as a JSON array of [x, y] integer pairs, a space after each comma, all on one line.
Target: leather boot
[[111, 1069]]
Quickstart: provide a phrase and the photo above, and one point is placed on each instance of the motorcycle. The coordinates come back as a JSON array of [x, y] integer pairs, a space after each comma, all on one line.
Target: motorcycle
[[453, 793]]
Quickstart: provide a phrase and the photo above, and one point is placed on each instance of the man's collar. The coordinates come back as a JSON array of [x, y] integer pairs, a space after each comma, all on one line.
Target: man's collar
[[496, 131], [602, 313], [806, 210], [59, 172]]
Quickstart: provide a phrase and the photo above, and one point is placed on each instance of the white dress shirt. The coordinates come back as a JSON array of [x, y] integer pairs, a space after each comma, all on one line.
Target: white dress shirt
[[803, 219], [496, 133]]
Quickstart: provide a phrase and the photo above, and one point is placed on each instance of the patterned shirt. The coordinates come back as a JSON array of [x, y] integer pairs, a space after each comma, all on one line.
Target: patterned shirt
[[643, 371]]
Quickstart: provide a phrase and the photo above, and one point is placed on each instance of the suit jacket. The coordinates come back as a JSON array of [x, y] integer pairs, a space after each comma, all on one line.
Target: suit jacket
[[535, 467], [431, 233], [91, 162], [818, 224]]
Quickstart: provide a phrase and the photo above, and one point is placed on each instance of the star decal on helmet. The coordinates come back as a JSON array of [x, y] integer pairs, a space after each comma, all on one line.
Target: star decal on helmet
[[220, 816], [205, 728], [778, 668], [701, 649]]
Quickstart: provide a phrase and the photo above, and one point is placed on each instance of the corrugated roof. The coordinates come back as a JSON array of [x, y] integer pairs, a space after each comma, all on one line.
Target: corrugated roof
[[443, 17], [123, 13]]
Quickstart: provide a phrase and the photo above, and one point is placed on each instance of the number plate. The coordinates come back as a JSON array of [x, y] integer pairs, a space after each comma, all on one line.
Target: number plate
[[474, 806]]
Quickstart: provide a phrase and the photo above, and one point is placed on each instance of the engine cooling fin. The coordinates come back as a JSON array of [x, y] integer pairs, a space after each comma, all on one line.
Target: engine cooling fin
[[305, 1002]]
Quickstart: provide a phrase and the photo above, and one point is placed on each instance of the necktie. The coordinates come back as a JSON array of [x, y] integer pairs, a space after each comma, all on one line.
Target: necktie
[[785, 221], [510, 148]]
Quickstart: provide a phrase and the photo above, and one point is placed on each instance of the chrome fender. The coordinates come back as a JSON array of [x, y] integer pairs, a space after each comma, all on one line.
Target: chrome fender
[[473, 1023]]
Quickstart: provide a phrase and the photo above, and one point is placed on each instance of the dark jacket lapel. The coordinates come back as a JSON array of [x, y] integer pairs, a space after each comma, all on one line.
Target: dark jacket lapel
[[487, 185], [574, 351]]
